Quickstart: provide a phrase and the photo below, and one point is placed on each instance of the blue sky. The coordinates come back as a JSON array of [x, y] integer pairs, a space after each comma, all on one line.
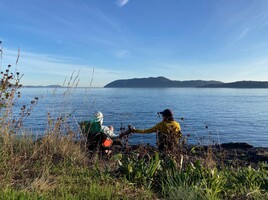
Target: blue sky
[[225, 40]]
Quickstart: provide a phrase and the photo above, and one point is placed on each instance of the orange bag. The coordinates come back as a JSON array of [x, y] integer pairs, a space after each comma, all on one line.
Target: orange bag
[[107, 142]]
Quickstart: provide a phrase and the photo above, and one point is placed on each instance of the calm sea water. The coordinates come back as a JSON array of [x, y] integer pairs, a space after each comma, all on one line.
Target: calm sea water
[[209, 115]]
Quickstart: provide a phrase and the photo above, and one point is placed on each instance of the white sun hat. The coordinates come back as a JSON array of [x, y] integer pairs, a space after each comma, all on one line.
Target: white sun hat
[[98, 117]]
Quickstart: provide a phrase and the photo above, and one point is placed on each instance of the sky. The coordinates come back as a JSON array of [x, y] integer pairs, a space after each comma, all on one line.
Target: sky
[[105, 40]]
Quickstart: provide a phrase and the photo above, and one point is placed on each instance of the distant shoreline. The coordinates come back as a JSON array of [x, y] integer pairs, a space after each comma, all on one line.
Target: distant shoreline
[[162, 82], [41, 86], [63, 87]]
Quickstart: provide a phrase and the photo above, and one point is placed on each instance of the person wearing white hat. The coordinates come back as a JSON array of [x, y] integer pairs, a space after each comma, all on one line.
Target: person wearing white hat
[[98, 127], [100, 134]]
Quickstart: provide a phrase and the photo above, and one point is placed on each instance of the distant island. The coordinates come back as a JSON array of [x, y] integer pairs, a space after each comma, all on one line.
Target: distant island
[[41, 86], [162, 82]]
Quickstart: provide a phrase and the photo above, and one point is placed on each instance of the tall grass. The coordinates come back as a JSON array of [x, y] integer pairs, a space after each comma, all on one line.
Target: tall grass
[[54, 166]]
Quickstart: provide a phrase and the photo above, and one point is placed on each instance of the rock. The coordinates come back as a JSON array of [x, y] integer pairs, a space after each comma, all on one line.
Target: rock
[[236, 145]]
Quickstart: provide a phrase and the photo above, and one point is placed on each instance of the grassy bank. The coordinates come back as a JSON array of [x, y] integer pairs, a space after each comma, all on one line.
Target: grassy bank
[[58, 168], [54, 167]]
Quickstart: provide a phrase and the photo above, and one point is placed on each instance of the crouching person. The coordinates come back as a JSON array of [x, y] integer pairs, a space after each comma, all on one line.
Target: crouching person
[[99, 137]]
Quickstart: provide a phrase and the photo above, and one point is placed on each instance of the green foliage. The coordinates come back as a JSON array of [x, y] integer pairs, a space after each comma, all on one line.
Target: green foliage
[[35, 172], [11, 194], [182, 193], [171, 179], [211, 183], [58, 168], [247, 181], [139, 170]]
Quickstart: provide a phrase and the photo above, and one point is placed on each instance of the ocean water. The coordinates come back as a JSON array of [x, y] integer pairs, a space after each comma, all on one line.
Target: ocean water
[[206, 115]]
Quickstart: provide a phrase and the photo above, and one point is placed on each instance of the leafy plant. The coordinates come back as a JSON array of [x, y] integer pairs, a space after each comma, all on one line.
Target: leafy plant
[[247, 181], [140, 171]]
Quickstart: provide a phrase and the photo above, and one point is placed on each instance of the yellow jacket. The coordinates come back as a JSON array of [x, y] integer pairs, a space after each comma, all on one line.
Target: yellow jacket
[[162, 127], [168, 132]]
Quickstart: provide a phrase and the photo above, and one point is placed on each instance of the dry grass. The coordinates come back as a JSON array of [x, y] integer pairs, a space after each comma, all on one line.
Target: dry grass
[[54, 166]]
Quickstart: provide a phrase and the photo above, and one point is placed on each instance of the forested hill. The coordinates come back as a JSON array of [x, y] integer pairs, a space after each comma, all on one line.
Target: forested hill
[[162, 82], [157, 82]]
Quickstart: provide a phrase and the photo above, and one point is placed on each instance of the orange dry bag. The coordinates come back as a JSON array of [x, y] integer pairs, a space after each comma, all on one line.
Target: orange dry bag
[[107, 142]]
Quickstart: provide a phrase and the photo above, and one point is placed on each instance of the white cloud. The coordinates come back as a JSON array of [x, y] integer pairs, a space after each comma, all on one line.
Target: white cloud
[[122, 3], [44, 69]]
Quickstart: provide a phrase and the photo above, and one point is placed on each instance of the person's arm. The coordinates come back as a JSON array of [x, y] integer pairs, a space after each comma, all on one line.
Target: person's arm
[[108, 132], [134, 130], [150, 130]]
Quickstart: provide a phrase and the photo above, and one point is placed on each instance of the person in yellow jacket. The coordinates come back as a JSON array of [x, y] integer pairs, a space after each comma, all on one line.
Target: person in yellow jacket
[[168, 131]]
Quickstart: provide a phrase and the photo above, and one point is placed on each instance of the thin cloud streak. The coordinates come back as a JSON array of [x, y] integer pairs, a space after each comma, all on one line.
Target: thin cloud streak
[[122, 3], [237, 39]]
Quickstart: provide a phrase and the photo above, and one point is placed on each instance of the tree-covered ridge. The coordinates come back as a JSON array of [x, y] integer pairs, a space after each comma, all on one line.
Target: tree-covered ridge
[[162, 82], [157, 82]]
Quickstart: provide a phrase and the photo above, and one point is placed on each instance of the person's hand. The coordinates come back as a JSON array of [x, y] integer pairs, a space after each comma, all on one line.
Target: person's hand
[[127, 132], [131, 128], [123, 134]]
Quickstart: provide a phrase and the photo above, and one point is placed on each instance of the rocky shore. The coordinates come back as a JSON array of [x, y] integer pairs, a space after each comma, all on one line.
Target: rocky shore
[[231, 154], [226, 154]]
